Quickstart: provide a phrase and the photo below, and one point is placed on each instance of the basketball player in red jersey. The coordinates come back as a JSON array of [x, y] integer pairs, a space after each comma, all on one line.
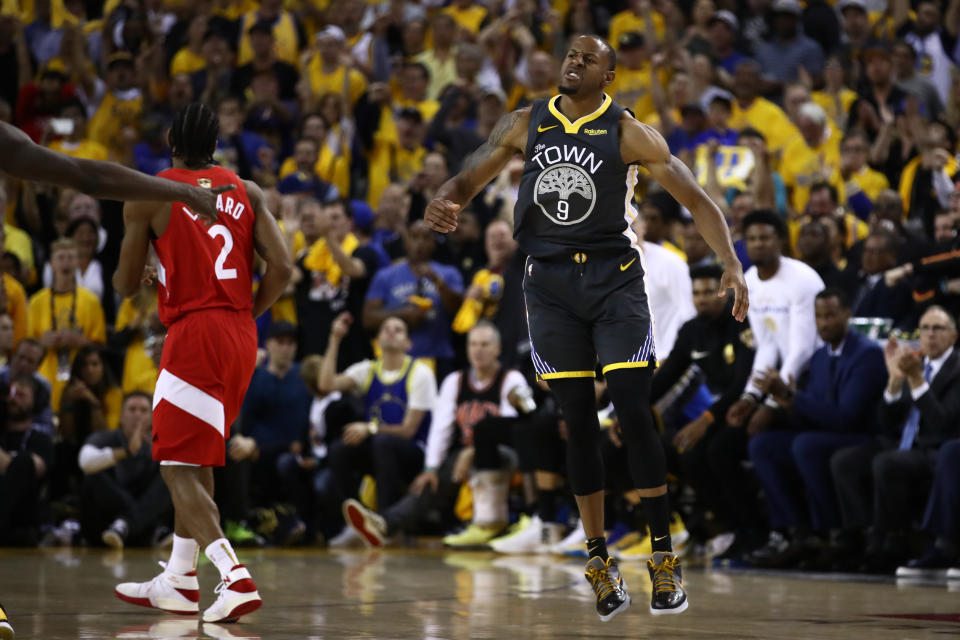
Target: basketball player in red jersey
[[205, 276], [24, 160]]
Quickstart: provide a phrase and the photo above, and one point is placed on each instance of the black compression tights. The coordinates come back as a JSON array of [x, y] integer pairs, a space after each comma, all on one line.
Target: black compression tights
[[629, 389]]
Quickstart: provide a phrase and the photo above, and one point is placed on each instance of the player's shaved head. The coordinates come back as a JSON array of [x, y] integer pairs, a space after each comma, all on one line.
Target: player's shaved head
[[604, 45]]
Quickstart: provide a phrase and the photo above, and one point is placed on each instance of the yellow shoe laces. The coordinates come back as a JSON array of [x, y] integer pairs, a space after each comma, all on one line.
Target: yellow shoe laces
[[665, 574], [601, 581]]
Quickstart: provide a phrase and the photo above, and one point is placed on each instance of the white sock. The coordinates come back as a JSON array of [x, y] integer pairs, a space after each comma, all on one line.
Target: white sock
[[490, 489], [183, 556], [222, 555]]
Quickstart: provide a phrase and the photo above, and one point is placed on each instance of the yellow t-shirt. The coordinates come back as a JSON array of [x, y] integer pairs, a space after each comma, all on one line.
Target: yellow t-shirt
[[18, 243], [186, 61], [631, 88], [322, 83], [285, 40], [869, 181], [88, 316], [442, 72], [801, 166], [427, 108], [139, 371], [16, 306], [112, 406], [86, 149], [827, 103], [285, 307], [768, 119], [854, 229], [112, 116], [627, 21], [470, 18]]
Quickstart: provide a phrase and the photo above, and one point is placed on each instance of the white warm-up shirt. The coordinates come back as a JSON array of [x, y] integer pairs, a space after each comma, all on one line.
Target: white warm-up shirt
[[782, 319], [670, 293]]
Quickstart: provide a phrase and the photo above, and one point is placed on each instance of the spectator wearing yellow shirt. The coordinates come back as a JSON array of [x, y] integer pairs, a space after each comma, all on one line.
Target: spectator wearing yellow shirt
[[13, 300], [835, 98], [120, 107], [631, 85], [17, 242], [304, 181], [190, 58], [414, 81], [138, 325], [636, 18], [542, 70], [400, 159], [91, 399], [333, 161], [857, 183], [287, 31], [468, 14], [812, 157], [824, 205], [441, 58], [64, 318], [75, 142], [326, 69], [750, 110]]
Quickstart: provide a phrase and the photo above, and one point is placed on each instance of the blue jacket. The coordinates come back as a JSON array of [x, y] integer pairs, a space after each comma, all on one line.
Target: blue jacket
[[846, 399]]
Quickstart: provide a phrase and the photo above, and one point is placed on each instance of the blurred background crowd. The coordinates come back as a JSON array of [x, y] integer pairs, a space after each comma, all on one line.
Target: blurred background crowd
[[396, 369]]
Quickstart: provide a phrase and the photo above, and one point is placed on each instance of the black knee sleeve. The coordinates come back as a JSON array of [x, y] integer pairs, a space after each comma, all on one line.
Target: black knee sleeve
[[629, 390], [578, 408]]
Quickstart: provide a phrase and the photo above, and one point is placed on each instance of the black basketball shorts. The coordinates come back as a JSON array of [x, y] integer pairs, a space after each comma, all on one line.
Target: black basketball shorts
[[586, 307]]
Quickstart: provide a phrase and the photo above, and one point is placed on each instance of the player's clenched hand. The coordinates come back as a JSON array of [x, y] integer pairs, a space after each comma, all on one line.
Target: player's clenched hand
[[733, 279], [203, 202], [441, 215]]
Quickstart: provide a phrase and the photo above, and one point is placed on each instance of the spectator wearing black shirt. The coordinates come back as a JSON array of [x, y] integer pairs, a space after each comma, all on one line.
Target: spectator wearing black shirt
[[26, 453], [721, 349], [124, 498], [264, 59], [25, 361], [813, 245], [873, 297], [335, 273]]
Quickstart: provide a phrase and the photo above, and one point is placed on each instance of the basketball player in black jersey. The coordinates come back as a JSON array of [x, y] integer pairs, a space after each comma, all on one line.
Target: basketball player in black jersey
[[584, 285]]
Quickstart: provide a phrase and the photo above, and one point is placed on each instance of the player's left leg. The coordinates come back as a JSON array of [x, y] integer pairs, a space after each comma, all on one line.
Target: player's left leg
[[629, 389]]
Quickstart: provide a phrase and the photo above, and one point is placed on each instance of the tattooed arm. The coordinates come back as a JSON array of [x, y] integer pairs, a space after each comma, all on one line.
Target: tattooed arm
[[480, 167]]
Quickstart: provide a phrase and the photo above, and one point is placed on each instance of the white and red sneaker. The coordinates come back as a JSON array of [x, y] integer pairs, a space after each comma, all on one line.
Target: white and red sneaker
[[170, 592], [236, 596], [370, 525]]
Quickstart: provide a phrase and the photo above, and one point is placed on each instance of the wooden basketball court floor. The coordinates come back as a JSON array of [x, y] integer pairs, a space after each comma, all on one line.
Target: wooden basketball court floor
[[317, 594]]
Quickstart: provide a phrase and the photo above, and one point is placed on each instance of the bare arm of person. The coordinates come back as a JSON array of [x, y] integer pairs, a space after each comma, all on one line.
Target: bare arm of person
[[642, 144], [137, 218], [23, 159], [483, 165], [269, 244]]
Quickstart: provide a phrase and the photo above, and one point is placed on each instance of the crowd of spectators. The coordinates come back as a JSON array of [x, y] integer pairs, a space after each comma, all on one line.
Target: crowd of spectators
[[395, 395]]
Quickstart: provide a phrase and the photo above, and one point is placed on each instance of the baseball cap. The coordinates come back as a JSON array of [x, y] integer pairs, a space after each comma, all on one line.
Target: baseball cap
[[726, 17], [282, 329], [631, 40], [787, 6], [332, 31], [843, 5], [362, 215], [715, 93]]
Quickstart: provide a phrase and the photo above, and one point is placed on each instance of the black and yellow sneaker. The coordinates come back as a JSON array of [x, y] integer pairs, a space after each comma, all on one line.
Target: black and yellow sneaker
[[609, 587], [667, 578], [6, 629]]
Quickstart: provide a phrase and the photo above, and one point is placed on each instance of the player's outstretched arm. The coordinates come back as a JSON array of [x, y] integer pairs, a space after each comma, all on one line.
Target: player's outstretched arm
[[483, 165], [23, 159], [270, 245], [643, 144], [137, 218]]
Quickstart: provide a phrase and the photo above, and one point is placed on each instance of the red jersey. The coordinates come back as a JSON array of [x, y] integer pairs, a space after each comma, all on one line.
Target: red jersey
[[203, 267]]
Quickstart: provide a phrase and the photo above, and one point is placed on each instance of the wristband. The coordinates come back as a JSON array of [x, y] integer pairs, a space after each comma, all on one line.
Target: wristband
[[771, 403], [750, 397], [372, 427]]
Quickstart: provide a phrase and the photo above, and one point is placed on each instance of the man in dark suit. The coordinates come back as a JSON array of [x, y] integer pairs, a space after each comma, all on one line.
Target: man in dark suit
[[884, 484], [873, 298], [835, 409]]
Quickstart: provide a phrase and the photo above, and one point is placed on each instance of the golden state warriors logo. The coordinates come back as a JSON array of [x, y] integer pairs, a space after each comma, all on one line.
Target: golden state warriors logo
[[204, 182], [565, 193]]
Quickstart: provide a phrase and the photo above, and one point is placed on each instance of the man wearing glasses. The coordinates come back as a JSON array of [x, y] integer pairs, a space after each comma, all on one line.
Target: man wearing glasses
[[884, 485]]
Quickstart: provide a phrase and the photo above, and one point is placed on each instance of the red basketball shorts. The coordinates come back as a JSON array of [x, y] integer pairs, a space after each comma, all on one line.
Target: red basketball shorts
[[208, 359]]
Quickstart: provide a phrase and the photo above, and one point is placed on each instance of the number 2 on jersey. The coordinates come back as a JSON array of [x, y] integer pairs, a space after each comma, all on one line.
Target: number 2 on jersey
[[223, 232]]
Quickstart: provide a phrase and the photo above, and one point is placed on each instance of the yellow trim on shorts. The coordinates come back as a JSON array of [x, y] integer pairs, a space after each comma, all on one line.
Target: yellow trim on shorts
[[567, 374], [624, 365]]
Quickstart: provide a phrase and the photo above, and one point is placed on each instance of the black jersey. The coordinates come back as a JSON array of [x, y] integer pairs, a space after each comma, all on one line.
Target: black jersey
[[576, 191], [473, 405]]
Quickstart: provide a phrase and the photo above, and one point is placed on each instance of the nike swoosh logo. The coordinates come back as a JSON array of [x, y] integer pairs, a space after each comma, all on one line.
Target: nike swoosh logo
[[659, 539], [624, 267], [542, 128], [698, 355]]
